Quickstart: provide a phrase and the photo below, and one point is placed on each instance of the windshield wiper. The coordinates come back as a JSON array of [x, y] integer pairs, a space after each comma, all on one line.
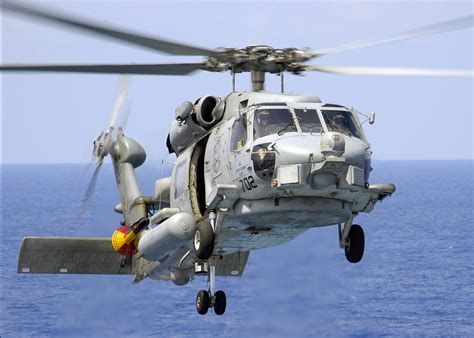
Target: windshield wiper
[[281, 132]]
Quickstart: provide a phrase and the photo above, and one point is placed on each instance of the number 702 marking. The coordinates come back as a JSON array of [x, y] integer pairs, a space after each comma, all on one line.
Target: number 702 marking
[[248, 183]]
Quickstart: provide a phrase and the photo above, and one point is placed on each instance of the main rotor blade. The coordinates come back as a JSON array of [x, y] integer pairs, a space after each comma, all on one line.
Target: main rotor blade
[[441, 27], [155, 43], [144, 69], [119, 99], [391, 71]]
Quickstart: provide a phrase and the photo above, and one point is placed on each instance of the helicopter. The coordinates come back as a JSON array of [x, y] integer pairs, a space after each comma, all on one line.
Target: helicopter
[[254, 169]]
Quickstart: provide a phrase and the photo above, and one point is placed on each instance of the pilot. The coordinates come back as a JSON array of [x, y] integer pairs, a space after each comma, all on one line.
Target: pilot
[[262, 121], [338, 120], [340, 123]]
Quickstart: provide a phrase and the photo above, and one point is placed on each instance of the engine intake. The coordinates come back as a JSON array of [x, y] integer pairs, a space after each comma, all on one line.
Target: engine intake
[[193, 121], [209, 111]]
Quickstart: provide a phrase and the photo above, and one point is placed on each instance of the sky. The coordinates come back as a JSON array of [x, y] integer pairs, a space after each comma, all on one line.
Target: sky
[[53, 118]]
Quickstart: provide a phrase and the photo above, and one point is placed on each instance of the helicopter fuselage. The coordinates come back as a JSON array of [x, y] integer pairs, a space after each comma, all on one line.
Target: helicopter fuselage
[[278, 177]]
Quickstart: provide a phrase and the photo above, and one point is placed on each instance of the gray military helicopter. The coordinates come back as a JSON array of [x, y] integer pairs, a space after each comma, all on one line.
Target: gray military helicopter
[[254, 169]]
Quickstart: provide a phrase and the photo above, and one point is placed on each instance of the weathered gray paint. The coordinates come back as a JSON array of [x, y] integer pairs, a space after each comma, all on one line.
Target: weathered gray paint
[[325, 186]]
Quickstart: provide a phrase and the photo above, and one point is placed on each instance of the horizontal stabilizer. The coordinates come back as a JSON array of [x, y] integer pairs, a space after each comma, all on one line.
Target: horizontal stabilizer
[[71, 256]]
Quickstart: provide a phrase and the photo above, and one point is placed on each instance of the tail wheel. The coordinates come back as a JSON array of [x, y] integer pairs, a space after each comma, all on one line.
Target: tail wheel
[[203, 241], [220, 303], [202, 302], [355, 249]]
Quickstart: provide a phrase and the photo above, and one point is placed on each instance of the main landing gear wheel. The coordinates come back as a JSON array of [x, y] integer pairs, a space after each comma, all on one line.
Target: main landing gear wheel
[[203, 241], [220, 302], [216, 299], [202, 302], [356, 241]]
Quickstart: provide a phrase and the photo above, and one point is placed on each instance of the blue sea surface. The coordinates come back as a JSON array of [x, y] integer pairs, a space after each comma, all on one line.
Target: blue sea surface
[[416, 277]]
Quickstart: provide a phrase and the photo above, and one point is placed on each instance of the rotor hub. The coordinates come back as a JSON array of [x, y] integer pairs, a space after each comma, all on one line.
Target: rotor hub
[[260, 58]]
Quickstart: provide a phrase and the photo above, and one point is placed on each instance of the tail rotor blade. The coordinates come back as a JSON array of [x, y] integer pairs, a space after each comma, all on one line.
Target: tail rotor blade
[[103, 143], [89, 192], [120, 98], [125, 115]]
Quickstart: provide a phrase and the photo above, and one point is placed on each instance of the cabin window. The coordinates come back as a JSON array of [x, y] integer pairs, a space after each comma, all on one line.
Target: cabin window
[[308, 120], [341, 121], [272, 121]]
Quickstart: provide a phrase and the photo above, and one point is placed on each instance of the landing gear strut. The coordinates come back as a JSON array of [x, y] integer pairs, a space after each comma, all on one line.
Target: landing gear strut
[[352, 240], [206, 299]]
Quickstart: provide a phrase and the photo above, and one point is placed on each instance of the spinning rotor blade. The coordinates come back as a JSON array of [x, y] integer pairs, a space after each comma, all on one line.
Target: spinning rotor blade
[[91, 187], [122, 123], [441, 27], [143, 69], [155, 43], [121, 94], [345, 70], [105, 138], [85, 203]]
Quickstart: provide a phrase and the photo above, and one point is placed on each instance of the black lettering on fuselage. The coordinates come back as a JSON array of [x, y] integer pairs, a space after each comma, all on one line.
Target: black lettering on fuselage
[[248, 183]]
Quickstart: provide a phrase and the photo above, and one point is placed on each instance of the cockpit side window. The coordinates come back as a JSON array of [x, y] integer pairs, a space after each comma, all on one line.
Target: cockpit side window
[[308, 120], [239, 133], [341, 121], [272, 121]]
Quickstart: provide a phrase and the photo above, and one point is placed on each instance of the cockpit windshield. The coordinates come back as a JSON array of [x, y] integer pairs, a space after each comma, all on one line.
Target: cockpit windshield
[[308, 120], [341, 121], [269, 121]]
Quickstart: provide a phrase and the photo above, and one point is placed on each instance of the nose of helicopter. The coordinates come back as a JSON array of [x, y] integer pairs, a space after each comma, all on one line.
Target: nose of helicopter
[[299, 149], [319, 160]]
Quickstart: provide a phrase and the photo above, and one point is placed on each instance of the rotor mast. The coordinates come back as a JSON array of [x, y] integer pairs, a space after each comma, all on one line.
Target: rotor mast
[[258, 80]]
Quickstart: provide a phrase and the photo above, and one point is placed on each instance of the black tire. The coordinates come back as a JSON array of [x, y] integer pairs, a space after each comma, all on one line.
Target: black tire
[[202, 302], [203, 241], [355, 250], [220, 303]]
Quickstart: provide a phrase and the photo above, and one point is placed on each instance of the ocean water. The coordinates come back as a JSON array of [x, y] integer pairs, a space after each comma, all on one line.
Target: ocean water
[[416, 277]]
